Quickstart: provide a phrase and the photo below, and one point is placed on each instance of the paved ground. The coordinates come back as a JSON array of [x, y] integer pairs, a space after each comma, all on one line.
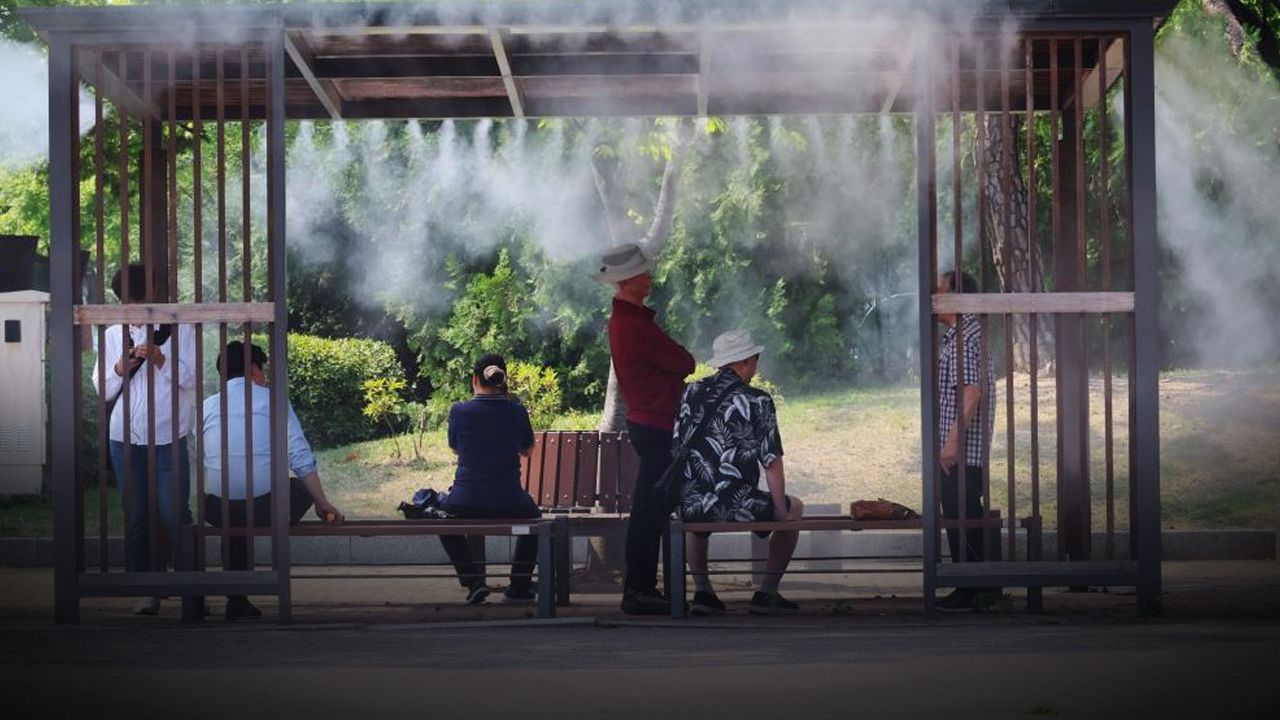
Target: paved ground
[[403, 648]]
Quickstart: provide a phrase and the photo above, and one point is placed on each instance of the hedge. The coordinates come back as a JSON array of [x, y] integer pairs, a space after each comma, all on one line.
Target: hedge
[[326, 385]]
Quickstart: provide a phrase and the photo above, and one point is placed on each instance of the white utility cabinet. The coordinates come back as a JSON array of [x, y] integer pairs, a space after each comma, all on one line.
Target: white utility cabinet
[[22, 391]]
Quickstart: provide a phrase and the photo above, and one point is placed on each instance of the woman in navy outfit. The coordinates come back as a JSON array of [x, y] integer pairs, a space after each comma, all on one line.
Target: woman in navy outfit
[[490, 432]]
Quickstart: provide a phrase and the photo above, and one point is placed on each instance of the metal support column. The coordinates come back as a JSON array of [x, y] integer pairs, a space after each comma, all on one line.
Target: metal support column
[[62, 248], [279, 297], [1140, 116], [926, 227]]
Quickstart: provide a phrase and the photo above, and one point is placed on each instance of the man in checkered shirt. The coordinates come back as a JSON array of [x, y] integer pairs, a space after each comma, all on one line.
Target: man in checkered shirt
[[976, 407]]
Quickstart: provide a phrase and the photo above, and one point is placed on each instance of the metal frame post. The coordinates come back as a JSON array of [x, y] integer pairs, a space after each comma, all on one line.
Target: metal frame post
[[63, 246], [274, 48], [926, 217], [546, 570], [675, 545], [564, 558], [1140, 116]]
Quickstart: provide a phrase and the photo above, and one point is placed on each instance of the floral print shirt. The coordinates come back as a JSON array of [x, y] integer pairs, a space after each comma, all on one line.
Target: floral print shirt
[[722, 470]]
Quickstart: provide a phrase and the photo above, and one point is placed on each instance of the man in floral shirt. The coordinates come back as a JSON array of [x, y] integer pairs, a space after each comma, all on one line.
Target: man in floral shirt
[[731, 430]]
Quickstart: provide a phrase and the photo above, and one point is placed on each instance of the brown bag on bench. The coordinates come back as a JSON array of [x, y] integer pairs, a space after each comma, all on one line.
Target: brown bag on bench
[[881, 509]]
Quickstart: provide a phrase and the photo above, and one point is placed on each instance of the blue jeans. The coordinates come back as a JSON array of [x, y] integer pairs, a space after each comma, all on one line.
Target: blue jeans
[[138, 506]]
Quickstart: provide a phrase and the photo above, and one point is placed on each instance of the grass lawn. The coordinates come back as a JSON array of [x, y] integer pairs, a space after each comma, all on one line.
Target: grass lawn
[[1220, 459]]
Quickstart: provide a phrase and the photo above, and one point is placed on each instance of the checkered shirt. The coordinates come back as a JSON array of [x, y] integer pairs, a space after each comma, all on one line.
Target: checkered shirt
[[977, 437]]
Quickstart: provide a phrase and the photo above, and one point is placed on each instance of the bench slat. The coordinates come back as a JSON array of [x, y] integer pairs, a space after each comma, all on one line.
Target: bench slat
[[533, 479], [546, 496], [610, 463], [628, 467], [568, 471], [585, 480]]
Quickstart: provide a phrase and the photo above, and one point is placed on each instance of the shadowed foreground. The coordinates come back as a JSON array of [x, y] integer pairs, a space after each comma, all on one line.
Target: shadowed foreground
[[377, 649]]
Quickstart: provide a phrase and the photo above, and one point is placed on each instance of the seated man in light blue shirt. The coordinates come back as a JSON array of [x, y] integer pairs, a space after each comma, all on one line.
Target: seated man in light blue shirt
[[233, 479]]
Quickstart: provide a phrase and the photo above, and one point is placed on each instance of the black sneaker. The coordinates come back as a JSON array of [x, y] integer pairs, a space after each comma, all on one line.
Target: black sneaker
[[706, 604], [763, 603], [519, 597], [241, 609], [645, 602], [477, 594]]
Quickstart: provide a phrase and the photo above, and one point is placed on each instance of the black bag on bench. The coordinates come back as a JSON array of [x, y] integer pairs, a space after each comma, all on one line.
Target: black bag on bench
[[425, 506]]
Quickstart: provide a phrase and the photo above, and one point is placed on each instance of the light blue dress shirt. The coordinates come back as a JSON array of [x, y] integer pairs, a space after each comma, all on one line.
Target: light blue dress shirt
[[301, 461]]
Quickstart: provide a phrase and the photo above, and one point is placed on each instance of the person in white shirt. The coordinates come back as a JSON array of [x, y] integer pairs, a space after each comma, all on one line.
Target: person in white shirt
[[304, 485], [127, 363]]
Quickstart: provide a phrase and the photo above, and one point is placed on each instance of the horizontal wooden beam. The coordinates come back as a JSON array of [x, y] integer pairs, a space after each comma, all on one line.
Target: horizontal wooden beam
[[303, 58], [1029, 303], [170, 313], [144, 584], [1036, 574], [376, 528]]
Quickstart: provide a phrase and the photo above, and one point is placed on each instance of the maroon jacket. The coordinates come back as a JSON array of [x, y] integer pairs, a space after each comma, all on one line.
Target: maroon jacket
[[651, 367]]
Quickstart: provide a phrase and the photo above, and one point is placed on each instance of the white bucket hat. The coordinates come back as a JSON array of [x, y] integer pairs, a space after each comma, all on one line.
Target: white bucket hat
[[622, 262], [732, 346]]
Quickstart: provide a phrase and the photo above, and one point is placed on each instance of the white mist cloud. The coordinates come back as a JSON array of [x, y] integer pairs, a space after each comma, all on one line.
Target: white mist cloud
[[1218, 153], [24, 114]]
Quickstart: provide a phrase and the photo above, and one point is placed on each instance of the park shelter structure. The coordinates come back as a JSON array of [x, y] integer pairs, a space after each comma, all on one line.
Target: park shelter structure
[[170, 75]]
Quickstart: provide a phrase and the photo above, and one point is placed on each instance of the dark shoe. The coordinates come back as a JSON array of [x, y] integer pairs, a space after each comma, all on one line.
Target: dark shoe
[[706, 604], [645, 602], [241, 609], [519, 597], [477, 594], [959, 600], [763, 603]]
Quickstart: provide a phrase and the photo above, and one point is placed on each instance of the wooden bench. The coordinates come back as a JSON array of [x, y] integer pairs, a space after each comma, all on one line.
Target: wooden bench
[[584, 482], [676, 540], [543, 529]]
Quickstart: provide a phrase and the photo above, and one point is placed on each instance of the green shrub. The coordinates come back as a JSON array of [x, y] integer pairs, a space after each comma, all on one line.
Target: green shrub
[[538, 389], [327, 385]]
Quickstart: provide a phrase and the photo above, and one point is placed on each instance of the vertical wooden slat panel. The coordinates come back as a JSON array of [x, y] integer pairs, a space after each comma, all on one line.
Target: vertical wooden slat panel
[[175, 340], [221, 113], [100, 297], [958, 476], [126, 410], [197, 272], [1033, 339], [1008, 139], [77, 282], [1104, 231], [246, 244], [148, 247]]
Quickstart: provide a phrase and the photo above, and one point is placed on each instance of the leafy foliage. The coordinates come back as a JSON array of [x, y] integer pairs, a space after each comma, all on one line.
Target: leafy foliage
[[382, 404], [538, 389], [327, 380]]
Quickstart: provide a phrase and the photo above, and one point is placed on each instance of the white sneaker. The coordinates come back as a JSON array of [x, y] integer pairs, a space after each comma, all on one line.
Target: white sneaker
[[147, 606]]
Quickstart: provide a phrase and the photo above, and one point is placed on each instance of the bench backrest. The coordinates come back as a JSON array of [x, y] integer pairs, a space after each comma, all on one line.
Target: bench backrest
[[581, 470]]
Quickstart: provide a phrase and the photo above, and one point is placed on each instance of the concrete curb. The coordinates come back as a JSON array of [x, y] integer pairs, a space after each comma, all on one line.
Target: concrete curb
[[1178, 545]]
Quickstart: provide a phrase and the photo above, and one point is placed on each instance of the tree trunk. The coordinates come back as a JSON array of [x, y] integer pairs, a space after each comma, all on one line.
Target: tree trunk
[[607, 553], [1019, 266]]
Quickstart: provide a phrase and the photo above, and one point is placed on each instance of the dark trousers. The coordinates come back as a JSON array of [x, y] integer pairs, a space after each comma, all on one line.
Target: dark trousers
[[467, 554], [135, 496], [237, 514], [644, 528], [972, 507]]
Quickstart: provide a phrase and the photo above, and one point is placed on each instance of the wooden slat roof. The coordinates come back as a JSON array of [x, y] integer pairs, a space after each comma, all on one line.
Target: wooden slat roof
[[543, 59]]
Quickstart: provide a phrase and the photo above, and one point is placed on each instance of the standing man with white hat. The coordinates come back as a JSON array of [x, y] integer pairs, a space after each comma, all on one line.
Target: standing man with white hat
[[650, 368]]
